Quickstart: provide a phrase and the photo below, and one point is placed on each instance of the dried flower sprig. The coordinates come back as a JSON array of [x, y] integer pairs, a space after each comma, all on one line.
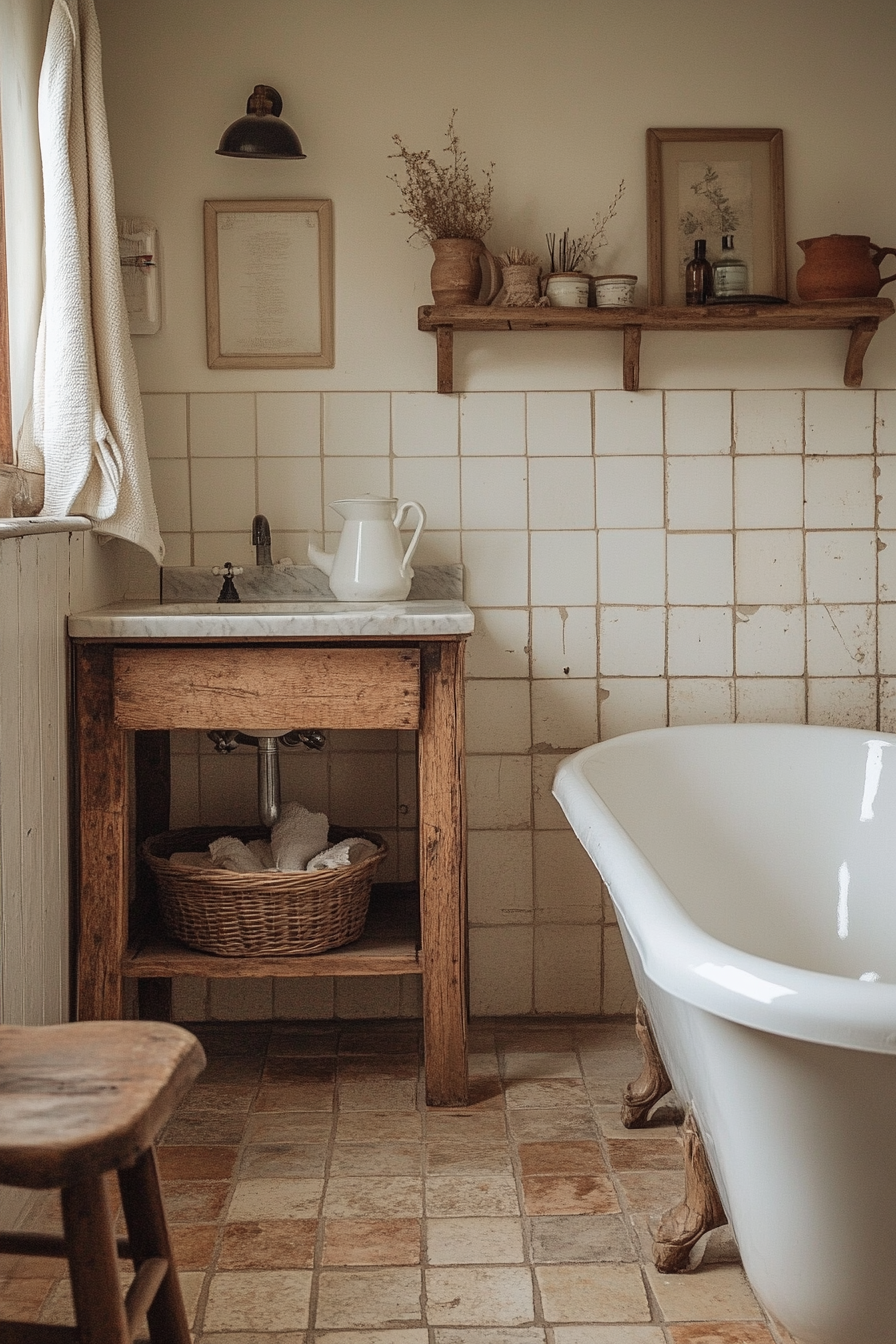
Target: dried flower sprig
[[442, 200], [519, 256], [572, 253]]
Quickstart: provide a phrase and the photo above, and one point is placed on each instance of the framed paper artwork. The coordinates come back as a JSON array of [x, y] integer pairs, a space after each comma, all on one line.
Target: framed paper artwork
[[269, 284], [707, 183]]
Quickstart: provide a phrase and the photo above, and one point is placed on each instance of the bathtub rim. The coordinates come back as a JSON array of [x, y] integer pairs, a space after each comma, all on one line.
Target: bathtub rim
[[814, 1006]]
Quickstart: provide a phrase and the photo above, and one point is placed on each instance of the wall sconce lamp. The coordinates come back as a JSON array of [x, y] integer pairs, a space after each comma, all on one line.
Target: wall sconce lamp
[[260, 134]]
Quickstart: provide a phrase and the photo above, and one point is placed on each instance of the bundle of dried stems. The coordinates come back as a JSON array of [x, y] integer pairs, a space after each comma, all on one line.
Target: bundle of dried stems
[[572, 253], [442, 200]]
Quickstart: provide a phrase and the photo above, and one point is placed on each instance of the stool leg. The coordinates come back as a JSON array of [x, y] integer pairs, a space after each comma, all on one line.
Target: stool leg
[[144, 1213], [93, 1264]]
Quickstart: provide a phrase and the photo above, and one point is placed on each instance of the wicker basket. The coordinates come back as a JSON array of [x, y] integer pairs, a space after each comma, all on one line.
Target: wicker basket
[[259, 914]]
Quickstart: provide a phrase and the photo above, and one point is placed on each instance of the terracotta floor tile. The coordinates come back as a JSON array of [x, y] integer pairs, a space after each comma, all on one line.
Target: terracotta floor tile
[[276, 1243], [253, 1337], [592, 1293], [194, 1162], [311, 1096], [582, 1156], [474, 1241], [368, 1297], [289, 1127], [479, 1295], [369, 1094], [471, 1196], [267, 1198], [527, 1039], [466, 1126], [604, 1334], [376, 1159], [201, 1128], [562, 1239], [486, 1094], [194, 1201], [372, 1241], [231, 1038], [375, 1196], [283, 1159], [569, 1195], [21, 1299], [288, 1069], [193, 1244], [482, 1064], [379, 1127], [659, 1154], [232, 1069], [227, 1098], [374, 1068], [259, 1300], [370, 1042], [551, 1092], [551, 1124], [443, 1158], [541, 1065], [652, 1191], [720, 1332], [35, 1267], [714, 1293], [406, 1335], [519, 1334], [302, 1044]]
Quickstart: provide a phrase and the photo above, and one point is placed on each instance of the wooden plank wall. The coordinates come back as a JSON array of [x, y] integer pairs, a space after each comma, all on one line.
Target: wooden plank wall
[[42, 578]]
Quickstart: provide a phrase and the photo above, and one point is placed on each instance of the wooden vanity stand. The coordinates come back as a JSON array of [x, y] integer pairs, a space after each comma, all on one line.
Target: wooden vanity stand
[[148, 687]]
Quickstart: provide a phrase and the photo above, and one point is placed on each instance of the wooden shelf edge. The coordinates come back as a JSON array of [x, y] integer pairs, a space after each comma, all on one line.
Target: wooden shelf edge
[[860, 317], [160, 958]]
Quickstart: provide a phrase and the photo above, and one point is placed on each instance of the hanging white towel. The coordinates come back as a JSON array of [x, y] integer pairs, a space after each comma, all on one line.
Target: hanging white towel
[[88, 419]]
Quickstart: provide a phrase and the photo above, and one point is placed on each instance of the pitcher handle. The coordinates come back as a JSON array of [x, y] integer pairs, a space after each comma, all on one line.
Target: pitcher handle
[[406, 571], [493, 276], [877, 258]]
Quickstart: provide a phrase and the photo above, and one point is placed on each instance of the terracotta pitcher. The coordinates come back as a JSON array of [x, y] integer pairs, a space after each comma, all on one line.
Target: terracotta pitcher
[[464, 271], [842, 266]]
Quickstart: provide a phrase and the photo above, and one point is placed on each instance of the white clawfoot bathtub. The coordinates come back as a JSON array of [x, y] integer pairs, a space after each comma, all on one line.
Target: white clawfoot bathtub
[[753, 870]]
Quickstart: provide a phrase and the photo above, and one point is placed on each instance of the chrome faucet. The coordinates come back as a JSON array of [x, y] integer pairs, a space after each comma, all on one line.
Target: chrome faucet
[[261, 540]]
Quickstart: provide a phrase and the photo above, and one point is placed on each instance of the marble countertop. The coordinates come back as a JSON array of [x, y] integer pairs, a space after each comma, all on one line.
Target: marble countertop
[[284, 619]]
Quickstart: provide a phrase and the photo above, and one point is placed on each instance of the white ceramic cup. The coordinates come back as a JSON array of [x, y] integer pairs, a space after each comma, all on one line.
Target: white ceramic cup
[[615, 291], [568, 291]]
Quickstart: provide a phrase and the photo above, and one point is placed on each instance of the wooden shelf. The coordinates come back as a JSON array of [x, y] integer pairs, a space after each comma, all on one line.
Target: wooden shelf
[[861, 317], [389, 945]]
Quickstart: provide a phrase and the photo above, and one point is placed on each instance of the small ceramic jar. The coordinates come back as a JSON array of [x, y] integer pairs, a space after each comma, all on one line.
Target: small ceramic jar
[[568, 289], [615, 291]]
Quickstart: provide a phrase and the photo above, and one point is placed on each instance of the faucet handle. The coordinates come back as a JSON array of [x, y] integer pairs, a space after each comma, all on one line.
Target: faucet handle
[[228, 570]]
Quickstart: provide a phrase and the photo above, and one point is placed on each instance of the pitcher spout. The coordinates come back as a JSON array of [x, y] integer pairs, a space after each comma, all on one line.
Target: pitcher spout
[[322, 560]]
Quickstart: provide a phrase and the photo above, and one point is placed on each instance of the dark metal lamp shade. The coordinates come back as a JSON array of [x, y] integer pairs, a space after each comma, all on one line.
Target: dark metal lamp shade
[[260, 134]]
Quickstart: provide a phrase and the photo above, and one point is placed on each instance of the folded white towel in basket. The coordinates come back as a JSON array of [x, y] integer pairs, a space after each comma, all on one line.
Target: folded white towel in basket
[[297, 837], [233, 856], [348, 851]]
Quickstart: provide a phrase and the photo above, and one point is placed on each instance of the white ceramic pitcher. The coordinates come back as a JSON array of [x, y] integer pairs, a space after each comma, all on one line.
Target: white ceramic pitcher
[[369, 564]]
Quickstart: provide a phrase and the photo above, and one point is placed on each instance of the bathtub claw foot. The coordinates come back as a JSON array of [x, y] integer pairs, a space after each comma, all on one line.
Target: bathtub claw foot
[[699, 1212], [652, 1082]]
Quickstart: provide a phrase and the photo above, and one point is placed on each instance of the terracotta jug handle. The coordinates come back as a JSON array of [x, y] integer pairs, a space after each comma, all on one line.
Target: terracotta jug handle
[[877, 258], [493, 276]]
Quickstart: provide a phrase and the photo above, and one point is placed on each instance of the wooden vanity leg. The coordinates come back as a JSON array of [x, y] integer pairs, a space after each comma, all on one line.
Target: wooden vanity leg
[[152, 776], [101, 921], [443, 873], [652, 1082], [700, 1211]]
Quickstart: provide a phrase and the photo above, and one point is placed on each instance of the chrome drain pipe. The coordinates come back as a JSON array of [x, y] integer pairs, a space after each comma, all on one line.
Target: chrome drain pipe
[[268, 781]]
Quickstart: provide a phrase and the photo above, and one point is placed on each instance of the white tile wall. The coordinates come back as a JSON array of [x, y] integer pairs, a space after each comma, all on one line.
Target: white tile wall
[[606, 538]]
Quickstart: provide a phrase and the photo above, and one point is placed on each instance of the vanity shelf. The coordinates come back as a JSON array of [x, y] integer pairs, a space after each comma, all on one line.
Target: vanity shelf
[[861, 317]]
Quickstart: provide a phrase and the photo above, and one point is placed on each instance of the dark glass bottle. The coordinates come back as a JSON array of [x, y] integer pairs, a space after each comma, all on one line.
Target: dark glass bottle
[[698, 275]]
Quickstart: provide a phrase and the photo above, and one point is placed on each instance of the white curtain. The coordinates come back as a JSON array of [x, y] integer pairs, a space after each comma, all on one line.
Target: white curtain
[[88, 419]]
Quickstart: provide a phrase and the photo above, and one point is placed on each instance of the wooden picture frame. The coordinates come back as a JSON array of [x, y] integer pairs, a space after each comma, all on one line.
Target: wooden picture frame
[[269, 284], [7, 453], [708, 182]]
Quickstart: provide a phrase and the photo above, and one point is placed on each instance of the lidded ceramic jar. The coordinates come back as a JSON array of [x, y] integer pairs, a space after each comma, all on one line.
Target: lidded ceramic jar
[[568, 289]]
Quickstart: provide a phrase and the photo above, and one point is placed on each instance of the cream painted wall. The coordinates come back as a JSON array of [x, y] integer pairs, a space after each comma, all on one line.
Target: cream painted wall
[[23, 28], [558, 95]]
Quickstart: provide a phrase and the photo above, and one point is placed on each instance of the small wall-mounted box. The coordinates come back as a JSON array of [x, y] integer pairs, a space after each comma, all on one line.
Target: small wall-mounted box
[[138, 248]]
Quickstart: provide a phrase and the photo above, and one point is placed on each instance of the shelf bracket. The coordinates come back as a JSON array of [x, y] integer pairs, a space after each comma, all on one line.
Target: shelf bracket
[[859, 340], [631, 358], [445, 359]]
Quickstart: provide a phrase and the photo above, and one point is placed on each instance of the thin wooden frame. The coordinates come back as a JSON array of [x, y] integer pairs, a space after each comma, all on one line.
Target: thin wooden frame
[[269, 285], [766, 148]]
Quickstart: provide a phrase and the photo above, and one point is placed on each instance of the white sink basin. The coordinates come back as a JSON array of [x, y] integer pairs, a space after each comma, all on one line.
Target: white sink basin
[[245, 620]]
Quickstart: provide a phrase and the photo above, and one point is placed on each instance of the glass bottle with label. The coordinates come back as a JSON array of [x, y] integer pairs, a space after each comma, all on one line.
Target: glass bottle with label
[[729, 273], [697, 275]]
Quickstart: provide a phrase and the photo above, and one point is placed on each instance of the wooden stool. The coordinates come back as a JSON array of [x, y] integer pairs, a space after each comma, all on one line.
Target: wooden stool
[[77, 1101]]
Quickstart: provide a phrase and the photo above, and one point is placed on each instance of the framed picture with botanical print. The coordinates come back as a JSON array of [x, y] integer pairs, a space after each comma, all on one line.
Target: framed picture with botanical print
[[706, 183]]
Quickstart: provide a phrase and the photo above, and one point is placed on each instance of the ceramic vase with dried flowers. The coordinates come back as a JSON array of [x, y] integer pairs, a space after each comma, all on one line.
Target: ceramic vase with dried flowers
[[451, 213]]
